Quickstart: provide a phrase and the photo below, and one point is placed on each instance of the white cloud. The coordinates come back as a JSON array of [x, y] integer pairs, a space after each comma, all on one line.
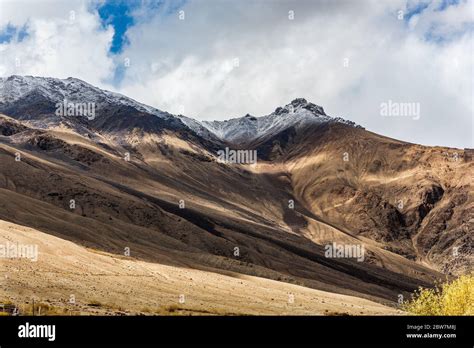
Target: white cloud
[[64, 39], [191, 63], [178, 64]]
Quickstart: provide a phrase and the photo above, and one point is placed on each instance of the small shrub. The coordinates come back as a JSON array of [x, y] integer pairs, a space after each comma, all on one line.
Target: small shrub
[[451, 298]]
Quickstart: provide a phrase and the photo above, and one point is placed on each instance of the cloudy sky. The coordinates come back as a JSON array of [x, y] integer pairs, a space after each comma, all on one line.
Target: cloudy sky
[[217, 59]]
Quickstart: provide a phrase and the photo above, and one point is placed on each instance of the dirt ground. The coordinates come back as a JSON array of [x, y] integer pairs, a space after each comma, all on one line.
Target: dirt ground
[[69, 279]]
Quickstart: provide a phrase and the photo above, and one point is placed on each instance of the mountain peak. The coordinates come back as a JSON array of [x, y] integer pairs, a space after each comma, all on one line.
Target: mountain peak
[[298, 104], [250, 117], [35, 97], [298, 114]]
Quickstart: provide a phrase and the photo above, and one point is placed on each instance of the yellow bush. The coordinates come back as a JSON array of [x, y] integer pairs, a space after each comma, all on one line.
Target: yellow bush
[[451, 298]]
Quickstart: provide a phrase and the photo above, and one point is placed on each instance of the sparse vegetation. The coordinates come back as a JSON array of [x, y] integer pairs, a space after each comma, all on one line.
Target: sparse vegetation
[[40, 308], [451, 298]]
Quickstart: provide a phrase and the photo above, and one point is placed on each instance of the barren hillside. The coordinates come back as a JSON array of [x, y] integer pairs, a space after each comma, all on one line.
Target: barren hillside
[[141, 181]]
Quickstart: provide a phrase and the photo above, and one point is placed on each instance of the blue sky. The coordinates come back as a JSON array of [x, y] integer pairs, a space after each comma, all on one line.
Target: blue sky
[[118, 13], [122, 15], [11, 32], [416, 8]]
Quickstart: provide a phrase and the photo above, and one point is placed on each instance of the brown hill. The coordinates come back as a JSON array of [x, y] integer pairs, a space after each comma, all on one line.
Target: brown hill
[[164, 196]]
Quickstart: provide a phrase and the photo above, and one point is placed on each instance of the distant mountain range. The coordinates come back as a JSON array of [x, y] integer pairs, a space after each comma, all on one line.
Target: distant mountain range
[[18, 92], [151, 181]]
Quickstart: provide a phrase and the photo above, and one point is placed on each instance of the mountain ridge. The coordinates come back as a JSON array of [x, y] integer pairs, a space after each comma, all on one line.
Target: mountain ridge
[[242, 130], [156, 186]]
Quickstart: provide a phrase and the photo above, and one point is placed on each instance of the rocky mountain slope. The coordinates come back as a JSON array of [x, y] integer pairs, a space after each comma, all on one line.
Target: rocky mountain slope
[[149, 182], [241, 131]]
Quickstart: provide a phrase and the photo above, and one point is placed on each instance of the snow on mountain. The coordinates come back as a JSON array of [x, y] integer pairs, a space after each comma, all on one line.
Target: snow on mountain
[[299, 113], [73, 90], [198, 128], [29, 89]]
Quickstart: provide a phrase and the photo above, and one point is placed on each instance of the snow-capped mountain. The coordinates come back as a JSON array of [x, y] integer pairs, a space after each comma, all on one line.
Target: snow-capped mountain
[[34, 99], [15, 88], [37, 100], [299, 113]]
